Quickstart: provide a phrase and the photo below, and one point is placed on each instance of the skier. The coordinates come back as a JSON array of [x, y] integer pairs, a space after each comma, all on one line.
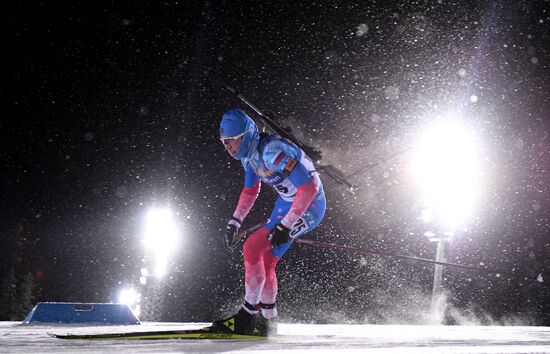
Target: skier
[[299, 208]]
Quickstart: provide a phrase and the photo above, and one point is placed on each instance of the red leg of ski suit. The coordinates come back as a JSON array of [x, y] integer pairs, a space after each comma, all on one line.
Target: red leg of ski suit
[[259, 263]]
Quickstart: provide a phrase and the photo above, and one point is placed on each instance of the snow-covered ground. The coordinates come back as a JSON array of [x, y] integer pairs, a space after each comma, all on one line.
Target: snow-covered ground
[[292, 338]]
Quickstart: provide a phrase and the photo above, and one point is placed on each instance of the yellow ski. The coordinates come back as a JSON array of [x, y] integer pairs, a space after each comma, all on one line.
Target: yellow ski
[[203, 333]]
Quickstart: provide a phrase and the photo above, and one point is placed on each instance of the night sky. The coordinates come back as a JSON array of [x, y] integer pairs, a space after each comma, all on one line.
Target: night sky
[[112, 108]]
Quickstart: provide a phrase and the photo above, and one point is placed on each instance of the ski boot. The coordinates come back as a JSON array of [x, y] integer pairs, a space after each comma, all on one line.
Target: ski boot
[[268, 327], [240, 323]]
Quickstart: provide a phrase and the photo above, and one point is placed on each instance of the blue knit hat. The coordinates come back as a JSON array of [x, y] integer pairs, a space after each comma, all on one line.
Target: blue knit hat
[[236, 122]]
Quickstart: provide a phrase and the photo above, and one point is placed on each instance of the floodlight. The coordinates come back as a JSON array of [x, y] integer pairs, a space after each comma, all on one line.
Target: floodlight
[[160, 238], [129, 296], [446, 167]]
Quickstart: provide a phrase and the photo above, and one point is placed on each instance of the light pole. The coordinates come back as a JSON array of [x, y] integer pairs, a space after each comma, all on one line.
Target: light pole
[[446, 170], [438, 273], [437, 287]]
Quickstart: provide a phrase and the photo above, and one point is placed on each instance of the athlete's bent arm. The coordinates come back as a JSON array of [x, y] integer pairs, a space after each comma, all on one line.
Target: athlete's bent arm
[[248, 197], [304, 197], [306, 191], [246, 202]]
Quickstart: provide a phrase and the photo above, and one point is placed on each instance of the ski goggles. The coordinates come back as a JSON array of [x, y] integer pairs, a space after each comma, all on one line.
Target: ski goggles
[[227, 139]]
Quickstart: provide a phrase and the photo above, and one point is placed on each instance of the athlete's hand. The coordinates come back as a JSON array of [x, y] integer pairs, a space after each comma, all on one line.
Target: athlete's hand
[[279, 235], [231, 232]]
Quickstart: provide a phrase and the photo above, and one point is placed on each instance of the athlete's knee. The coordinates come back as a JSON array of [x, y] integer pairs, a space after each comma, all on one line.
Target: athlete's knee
[[256, 244], [270, 263]]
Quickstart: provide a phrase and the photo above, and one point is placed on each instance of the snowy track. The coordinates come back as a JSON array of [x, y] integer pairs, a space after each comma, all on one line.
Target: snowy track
[[293, 338]]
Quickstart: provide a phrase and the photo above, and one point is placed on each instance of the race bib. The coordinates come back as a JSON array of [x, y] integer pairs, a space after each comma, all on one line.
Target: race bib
[[299, 228]]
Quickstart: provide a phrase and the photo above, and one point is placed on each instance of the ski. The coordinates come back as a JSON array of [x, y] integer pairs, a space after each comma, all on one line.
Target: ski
[[203, 333]]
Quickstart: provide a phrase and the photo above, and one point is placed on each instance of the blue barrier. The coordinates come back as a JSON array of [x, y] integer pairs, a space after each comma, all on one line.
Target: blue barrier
[[81, 313]]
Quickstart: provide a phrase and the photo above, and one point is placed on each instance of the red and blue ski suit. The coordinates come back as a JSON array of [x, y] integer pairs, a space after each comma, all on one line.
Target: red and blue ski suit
[[300, 206]]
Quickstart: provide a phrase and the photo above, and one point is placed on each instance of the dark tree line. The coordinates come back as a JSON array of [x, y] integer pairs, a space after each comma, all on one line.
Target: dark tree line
[[16, 295]]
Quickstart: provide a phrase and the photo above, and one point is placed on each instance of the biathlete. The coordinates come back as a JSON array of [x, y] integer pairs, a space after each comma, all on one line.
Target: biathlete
[[299, 208]]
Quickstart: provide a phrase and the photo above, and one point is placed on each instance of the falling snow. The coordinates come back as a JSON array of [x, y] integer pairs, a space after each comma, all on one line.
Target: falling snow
[[112, 110]]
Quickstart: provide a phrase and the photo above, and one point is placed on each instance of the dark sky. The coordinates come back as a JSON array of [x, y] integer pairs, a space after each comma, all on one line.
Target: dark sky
[[112, 108]]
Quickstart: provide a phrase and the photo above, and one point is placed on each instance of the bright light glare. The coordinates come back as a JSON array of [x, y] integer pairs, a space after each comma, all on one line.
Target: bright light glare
[[160, 238], [446, 167], [129, 297], [144, 274]]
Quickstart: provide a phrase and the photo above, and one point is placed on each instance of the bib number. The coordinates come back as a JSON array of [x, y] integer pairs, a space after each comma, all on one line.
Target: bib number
[[299, 228], [281, 189]]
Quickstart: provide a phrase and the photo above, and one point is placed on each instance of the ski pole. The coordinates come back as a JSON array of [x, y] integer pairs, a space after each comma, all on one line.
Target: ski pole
[[327, 245], [245, 233], [351, 249]]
